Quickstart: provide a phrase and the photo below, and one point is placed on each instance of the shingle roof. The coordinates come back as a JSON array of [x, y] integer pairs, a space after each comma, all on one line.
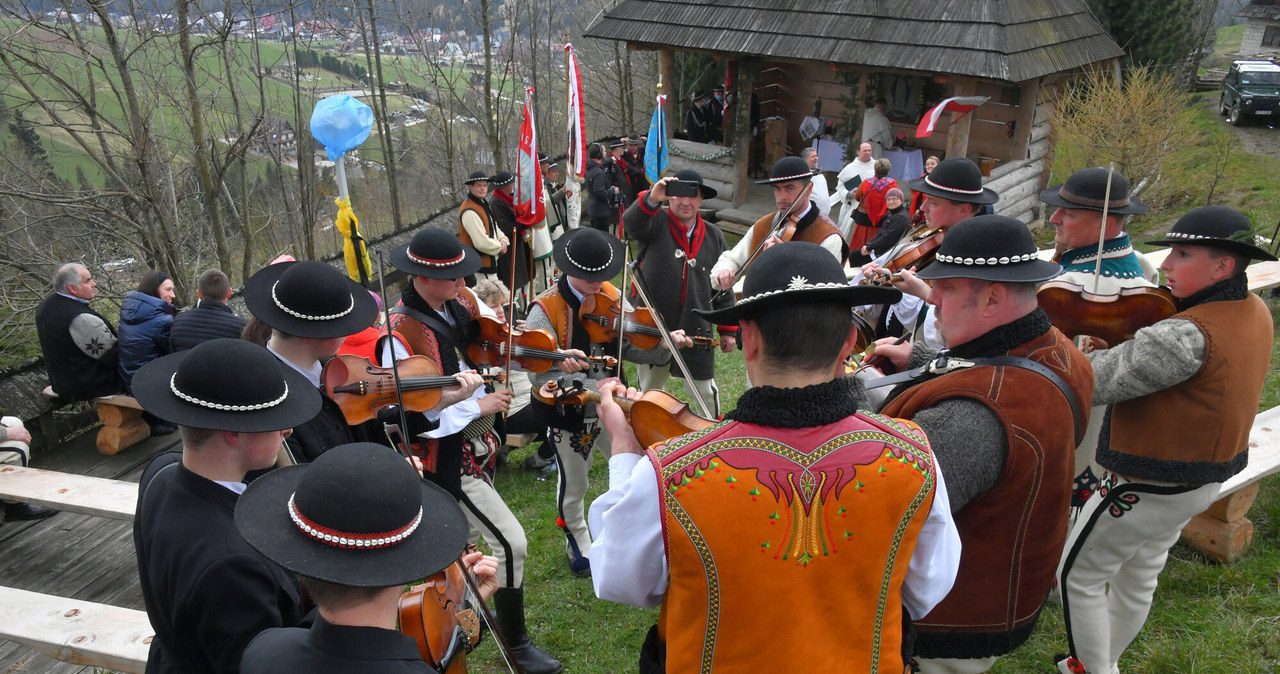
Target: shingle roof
[[1010, 40]]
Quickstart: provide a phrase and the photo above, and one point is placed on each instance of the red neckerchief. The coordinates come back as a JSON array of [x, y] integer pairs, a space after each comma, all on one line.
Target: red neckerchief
[[690, 248]]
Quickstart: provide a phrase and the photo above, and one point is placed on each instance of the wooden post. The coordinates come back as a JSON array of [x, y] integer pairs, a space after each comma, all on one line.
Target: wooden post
[[667, 71], [1026, 119], [122, 424], [744, 84], [958, 134]]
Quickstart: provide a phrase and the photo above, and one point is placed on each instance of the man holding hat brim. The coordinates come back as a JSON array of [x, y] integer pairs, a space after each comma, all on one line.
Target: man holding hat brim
[[1002, 407], [502, 207], [1077, 218], [207, 592], [436, 317], [476, 227], [953, 192], [311, 307], [791, 183], [357, 525], [1182, 395], [588, 259], [738, 489], [677, 250]]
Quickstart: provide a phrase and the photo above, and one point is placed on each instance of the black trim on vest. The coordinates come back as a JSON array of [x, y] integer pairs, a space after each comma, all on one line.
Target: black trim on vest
[[970, 645], [1231, 289], [1164, 470], [816, 405]]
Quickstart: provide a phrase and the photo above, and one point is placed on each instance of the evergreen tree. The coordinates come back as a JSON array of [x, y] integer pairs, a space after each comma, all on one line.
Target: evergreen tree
[[28, 138], [1155, 32]]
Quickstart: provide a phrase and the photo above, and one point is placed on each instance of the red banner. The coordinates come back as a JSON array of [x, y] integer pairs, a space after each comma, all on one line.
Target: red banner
[[530, 209]]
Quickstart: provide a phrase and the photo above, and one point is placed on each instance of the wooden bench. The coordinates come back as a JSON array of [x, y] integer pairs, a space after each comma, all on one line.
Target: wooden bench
[[1262, 275], [75, 631], [95, 496], [1223, 532], [122, 423]]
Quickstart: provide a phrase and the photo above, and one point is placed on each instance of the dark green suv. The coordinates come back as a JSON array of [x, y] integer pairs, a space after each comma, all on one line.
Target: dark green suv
[[1252, 89]]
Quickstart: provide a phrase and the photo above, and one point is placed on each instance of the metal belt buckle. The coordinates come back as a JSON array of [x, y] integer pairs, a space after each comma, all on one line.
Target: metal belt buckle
[[944, 364]]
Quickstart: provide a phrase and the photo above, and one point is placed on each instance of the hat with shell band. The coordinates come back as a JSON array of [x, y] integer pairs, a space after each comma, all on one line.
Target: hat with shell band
[[226, 385], [1087, 189], [955, 179], [797, 271], [435, 253], [1216, 227], [990, 248], [358, 515], [476, 177], [788, 168], [501, 179], [309, 299], [589, 254]]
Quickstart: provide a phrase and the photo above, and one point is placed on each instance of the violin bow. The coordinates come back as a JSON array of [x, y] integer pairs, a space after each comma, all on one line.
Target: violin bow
[[778, 224], [666, 337], [511, 303], [622, 300], [391, 345], [490, 621], [1102, 231]]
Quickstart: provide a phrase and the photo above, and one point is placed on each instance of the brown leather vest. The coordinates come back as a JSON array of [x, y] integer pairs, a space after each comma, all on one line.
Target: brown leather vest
[[816, 231], [1012, 535], [823, 520], [558, 312], [1215, 408], [486, 261]]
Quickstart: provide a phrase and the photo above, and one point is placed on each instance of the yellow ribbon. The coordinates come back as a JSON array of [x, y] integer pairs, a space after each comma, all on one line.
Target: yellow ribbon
[[347, 223]]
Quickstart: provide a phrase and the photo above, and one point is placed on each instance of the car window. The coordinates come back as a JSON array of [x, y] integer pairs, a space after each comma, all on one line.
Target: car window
[[1270, 79]]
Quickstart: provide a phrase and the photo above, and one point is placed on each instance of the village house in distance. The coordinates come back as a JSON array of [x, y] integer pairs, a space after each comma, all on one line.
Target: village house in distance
[[914, 53]]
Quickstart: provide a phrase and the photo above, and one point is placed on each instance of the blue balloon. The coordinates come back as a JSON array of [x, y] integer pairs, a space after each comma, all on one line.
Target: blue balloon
[[340, 123]]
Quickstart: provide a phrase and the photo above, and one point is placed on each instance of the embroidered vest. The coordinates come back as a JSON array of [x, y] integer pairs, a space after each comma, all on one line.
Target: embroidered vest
[[815, 231], [1012, 535], [487, 262], [1214, 409], [799, 538], [558, 312]]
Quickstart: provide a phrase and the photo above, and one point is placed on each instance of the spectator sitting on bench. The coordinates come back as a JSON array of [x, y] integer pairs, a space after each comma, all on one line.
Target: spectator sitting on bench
[[15, 448], [79, 345], [145, 318], [363, 490], [210, 318]]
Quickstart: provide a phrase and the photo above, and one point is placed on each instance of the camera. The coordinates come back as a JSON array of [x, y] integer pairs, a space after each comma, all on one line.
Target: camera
[[683, 188]]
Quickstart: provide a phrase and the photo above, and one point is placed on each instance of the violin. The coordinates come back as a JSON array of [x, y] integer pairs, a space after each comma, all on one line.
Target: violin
[[361, 388], [533, 350], [1111, 318], [433, 614], [656, 417], [918, 253], [600, 315]]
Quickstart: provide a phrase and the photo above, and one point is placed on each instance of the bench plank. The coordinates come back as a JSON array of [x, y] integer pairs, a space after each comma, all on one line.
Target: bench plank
[[76, 631], [1264, 452], [73, 493]]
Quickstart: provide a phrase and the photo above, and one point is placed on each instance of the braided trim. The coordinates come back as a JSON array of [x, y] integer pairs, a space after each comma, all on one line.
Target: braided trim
[[980, 261], [1091, 202], [342, 539], [433, 263], [783, 179], [794, 287], [173, 386], [586, 268], [929, 181], [297, 314]]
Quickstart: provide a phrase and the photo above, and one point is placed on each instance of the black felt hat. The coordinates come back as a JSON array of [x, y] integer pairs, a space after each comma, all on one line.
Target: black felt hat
[[358, 516], [955, 179], [476, 177], [543, 158], [617, 143], [990, 248], [589, 254], [309, 299], [634, 139], [700, 93], [797, 271], [1087, 189], [500, 179], [1216, 227], [435, 253], [692, 176], [226, 385], [788, 168]]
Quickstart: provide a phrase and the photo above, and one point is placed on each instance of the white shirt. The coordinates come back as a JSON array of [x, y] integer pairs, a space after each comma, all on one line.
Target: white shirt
[[629, 562], [877, 131], [906, 311], [862, 170], [820, 196]]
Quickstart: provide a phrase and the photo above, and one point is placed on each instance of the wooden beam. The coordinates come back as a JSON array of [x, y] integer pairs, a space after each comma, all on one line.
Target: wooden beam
[[95, 496], [667, 71], [1026, 119], [75, 631], [744, 84], [958, 132]]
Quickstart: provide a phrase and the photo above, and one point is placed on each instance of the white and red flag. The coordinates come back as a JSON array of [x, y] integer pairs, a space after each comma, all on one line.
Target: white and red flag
[[530, 207], [960, 104], [577, 154]]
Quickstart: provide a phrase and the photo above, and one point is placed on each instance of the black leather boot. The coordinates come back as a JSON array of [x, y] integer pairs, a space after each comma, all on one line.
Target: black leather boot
[[509, 606]]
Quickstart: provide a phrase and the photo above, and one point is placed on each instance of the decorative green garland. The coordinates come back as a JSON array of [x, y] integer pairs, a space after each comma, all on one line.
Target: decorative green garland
[[727, 152]]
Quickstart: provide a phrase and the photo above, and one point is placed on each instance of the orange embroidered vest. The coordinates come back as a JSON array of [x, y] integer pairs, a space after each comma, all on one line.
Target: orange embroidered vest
[[796, 539], [816, 231], [558, 312], [486, 261]]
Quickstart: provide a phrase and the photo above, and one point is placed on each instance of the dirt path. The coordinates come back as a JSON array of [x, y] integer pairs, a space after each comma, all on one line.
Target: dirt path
[[1257, 136]]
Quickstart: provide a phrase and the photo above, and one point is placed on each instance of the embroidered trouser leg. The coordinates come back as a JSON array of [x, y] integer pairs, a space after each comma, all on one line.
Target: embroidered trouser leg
[[1120, 539], [656, 376], [573, 454], [956, 665]]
